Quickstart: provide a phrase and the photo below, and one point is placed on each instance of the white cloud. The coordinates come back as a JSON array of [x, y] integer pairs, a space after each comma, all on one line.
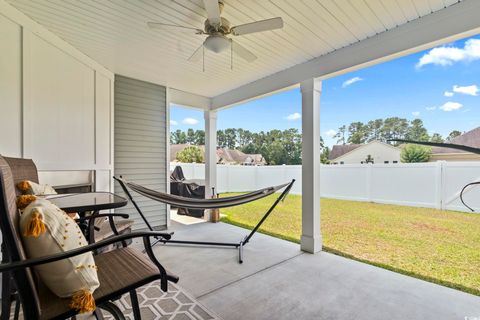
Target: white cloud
[[448, 93], [173, 123], [451, 106], [351, 81], [431, 108], [330, 133], [415, 113], [469, 90], [293, 116], [190, 121], [446, 56]]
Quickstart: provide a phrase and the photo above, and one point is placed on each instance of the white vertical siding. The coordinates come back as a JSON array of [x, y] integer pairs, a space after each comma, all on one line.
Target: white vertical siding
[[140, 144]]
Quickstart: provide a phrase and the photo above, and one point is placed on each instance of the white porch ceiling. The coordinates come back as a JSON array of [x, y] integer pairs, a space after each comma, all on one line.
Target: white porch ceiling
[[114, 33]]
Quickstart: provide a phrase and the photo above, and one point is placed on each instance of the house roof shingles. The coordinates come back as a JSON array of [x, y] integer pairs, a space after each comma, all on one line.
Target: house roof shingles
[[341, 149]]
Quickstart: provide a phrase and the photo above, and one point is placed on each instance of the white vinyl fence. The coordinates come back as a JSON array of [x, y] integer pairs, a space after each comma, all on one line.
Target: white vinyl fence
[[432, 184]]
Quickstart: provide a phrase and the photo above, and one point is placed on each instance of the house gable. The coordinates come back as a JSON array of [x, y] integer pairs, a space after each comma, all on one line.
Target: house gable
[[379, 151]]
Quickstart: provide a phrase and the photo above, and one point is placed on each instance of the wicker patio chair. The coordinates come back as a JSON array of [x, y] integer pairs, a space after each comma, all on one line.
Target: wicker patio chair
[[120, 271], [22, 169], [101, 227], [106, 227]]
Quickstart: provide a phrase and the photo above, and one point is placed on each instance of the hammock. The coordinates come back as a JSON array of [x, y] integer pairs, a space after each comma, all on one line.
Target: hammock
[[183, 202], [191, 203]]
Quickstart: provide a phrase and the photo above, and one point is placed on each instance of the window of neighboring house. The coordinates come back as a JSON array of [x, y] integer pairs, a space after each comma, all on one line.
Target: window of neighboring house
[[341, 162], [394, 161], [385, 161]]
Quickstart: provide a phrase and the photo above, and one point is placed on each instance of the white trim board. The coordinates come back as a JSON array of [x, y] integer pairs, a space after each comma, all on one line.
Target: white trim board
[[189, 100]]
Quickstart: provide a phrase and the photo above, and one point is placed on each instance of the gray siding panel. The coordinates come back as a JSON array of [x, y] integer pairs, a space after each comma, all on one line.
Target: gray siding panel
[[140, 144]]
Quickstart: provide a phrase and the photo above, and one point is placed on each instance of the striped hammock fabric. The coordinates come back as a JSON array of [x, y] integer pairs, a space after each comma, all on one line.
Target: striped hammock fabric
[[190, 203]]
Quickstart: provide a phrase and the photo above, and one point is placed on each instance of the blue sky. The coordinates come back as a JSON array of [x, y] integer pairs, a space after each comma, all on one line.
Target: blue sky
[[439, 85]]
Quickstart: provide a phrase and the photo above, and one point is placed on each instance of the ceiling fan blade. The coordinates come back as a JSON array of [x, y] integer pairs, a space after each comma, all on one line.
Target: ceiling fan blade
[[257, 26], [159, 25], [243, 52], [213, 11], [197, 54]]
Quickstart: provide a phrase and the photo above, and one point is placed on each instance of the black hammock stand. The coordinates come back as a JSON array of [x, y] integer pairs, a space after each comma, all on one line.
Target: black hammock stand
[[216, 203]]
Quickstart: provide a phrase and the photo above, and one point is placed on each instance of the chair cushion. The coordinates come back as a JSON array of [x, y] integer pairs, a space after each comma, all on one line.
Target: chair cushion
[[47, 230], [119, 271]]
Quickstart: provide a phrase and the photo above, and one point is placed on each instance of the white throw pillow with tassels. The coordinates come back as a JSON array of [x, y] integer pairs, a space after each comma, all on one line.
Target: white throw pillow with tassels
[[30, 187], [47, 230]]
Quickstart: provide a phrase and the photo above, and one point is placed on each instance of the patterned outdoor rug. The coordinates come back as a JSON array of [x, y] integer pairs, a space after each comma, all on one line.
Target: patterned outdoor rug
[[176, 304]]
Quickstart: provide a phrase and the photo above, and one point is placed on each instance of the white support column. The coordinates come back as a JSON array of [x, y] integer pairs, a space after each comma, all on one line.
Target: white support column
[[311, 240], [210, 154], [167, 150]]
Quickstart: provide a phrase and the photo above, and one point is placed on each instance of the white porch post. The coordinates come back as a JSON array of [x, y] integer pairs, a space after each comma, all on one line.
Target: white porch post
[[311, 240], [210, 154]]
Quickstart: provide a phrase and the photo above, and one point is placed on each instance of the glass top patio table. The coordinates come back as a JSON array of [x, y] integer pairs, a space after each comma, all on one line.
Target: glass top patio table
[[91, 201]]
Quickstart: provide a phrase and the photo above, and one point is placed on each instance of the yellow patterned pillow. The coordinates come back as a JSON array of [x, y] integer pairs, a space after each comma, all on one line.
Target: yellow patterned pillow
[[47, 230], [30, 187]]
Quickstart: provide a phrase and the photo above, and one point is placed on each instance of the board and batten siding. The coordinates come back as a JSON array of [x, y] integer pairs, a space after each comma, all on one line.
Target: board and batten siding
[[56, 104], [140, 145]]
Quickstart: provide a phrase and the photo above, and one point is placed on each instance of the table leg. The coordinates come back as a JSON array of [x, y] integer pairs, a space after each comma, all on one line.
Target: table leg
[[91, 229]]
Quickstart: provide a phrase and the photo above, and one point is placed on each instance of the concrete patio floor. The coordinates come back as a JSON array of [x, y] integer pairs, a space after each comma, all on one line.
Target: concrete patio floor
[[278, 281]]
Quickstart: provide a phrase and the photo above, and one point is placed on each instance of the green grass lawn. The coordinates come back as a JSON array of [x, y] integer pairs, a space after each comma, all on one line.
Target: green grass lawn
[[437, 246]]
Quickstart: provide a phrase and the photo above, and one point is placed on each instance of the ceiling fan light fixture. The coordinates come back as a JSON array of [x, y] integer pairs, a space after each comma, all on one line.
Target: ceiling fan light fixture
[[217, 43]]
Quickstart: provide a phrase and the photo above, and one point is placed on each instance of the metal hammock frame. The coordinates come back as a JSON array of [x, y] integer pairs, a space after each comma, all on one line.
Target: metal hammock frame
[[206, 204]]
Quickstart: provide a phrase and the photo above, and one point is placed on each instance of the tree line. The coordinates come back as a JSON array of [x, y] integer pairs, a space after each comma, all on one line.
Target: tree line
[[285, 146], [390, 128], [276, 146]]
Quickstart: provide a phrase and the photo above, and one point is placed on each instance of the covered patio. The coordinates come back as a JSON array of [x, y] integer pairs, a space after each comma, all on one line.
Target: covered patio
[[87, 87], [131, 60]]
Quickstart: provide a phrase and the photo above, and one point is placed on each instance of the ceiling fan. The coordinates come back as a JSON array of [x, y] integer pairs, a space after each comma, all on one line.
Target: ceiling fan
[[216, 28]]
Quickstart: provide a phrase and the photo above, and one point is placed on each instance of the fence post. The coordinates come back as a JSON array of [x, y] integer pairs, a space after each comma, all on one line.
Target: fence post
[[443, 181], [369, 181], [439, 203], [228, 177]]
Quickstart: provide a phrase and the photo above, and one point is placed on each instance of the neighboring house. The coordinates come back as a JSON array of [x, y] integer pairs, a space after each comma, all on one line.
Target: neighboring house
[[470, 138], [375, 152], [228, 156], [224, 156], [176, 148]]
